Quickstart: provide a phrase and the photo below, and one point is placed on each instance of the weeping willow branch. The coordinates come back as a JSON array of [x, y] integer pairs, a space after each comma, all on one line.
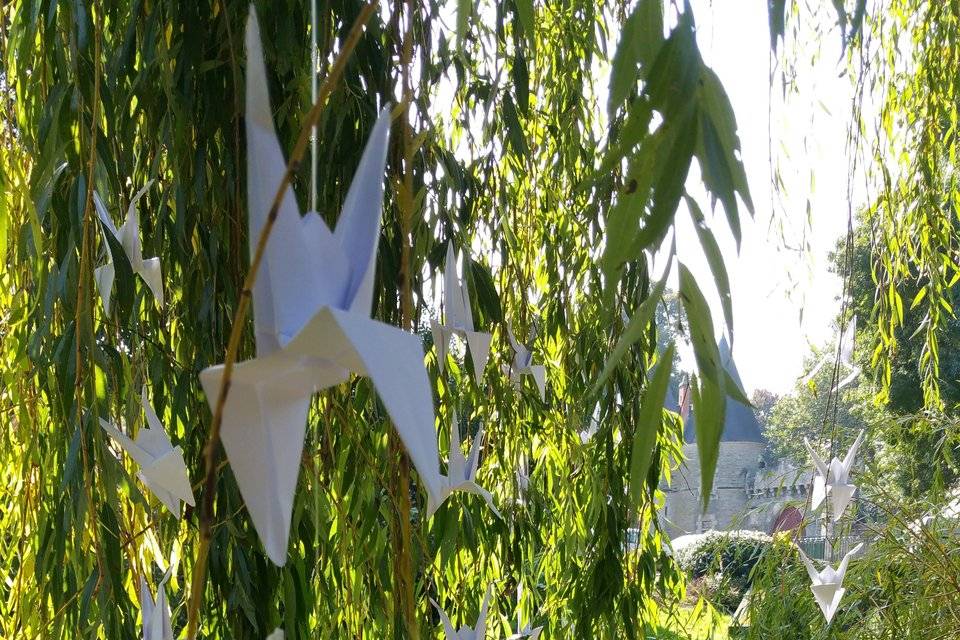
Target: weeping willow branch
[[236, 331], [82, 296], [403, 558]]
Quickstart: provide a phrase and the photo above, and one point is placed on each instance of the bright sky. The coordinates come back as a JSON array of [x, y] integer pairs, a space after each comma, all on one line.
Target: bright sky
[[784, 300]]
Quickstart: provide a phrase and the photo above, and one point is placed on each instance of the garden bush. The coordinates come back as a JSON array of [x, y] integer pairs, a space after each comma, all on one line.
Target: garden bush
[[719, 564]]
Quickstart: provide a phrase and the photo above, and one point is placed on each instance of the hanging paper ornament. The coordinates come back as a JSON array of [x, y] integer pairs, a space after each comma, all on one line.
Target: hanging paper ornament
[[312, 301], [458, 319]]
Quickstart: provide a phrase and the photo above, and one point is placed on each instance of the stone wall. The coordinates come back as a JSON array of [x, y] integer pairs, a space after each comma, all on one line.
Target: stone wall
[[730, 505]]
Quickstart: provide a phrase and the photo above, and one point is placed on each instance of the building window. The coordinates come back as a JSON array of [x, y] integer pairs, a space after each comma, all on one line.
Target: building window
[[707, 522]]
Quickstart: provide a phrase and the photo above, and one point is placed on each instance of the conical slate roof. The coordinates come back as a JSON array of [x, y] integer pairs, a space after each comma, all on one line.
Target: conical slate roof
[[740, 424]]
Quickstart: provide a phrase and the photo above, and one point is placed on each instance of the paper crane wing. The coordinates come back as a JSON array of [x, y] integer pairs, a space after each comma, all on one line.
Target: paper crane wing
[[264, 424], [136, 451], [456, 294], [448, 630], [480, 631], [130, 230], [358, 229], [811, 570], [170, 473], [842, 567], [479, 344], [840, 497], [152, 275], [847, 340], [457, 469], [851, 456], [539, 373], [104, 216], [822, 468], [104, 276], [393, 360], [155, 615], [146, 609]]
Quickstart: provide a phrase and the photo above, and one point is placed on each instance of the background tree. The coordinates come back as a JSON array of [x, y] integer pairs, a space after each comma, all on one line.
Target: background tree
[[811, 411]]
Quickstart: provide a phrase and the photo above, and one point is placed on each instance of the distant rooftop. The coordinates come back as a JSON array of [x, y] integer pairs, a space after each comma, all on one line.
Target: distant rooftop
[[740, 425]]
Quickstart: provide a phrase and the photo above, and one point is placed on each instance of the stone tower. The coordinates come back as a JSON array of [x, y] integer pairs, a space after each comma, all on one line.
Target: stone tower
[[742, 450]]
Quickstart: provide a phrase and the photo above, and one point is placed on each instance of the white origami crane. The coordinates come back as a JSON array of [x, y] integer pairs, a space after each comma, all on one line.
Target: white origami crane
[[276, 635], [155, 615], [833, 480], [459, 320], [162, 468], [462, 472], [128, 236], [826, 584], [526, 632], [523, 365], [478, 632], [847, 341], [311, 305]]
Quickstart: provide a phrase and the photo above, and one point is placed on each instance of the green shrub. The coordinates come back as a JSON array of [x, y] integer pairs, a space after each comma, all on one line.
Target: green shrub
[[719, 564]]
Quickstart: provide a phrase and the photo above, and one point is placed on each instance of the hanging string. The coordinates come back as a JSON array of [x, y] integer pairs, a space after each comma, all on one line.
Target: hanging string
[[314, 65]]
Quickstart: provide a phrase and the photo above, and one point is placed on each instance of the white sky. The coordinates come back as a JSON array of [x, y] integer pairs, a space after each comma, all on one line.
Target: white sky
[[784, 300]]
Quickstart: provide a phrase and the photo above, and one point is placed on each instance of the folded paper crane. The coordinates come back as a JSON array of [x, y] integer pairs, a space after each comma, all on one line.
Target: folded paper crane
[[526, 632], [462, 472], [155, 614], [162, 468], [311, 305], [523, 365], [833, 480], [276, 635], [458, 319], [847, 341], [826, 584], [128, 236], [478, 632]]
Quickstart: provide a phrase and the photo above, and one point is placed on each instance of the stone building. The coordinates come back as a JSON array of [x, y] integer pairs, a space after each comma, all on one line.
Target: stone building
[[751, 490]]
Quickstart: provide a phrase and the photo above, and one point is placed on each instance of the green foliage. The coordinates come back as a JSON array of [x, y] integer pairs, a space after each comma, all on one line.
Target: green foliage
[[903, 586], [720, 564], [109, 95], [812, 411], [923, 442]]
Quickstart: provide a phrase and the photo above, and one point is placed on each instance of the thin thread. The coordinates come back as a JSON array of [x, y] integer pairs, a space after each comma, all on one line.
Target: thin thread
[[314, 65]]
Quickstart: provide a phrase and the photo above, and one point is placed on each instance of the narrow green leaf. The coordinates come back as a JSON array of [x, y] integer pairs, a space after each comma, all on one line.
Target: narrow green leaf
[[648, 424], [714, 258], [668, 189], [734, 390], [641, 38], [709, 407], [778, 14], [635, 329], [675, 72], [702, 337], [525, 12], [514, 130], [464, 9]]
